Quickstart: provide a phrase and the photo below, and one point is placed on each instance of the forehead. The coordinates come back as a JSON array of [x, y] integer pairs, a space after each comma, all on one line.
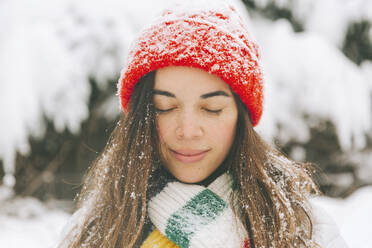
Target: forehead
[[188, 79]]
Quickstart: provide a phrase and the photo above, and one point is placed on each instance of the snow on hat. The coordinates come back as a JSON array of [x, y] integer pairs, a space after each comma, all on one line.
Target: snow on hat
[[212, 38]]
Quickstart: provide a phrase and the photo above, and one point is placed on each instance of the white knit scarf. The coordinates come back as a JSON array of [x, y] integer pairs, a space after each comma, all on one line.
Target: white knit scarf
[[193, 216]]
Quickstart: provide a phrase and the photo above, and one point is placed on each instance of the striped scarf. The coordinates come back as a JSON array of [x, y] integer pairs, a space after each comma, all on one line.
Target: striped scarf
[[193, 216]]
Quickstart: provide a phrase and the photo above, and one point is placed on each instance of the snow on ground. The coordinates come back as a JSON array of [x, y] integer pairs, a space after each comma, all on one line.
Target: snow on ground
[[27, 222], [353, 215]]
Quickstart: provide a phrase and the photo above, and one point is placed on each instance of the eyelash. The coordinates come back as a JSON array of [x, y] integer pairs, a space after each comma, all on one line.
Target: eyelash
[[218, 111], [163, 110]]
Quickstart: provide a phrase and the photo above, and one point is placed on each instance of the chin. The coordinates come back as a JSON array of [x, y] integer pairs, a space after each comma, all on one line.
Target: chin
[[185, 179]]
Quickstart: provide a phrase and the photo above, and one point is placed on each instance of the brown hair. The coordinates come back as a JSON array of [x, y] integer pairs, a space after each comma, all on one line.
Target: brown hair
[[270, 192]]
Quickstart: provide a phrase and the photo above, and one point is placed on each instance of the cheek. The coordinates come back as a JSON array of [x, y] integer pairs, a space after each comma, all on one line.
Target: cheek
[[223, 132], [163, 127]]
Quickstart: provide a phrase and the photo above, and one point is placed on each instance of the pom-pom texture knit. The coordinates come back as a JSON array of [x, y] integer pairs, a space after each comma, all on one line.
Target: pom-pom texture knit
[[215, 40]]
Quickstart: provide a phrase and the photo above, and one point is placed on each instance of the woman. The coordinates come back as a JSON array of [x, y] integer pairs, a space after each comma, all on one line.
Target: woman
[[184, 166]]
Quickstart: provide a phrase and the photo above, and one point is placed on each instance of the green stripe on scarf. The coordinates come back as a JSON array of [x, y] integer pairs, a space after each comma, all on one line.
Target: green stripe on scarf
[[198, 212]]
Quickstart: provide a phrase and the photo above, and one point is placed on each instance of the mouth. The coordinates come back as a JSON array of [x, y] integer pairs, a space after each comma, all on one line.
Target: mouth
[[189, 156]]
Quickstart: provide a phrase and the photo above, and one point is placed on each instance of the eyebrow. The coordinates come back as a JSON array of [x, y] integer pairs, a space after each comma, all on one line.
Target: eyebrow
[[204, 96]]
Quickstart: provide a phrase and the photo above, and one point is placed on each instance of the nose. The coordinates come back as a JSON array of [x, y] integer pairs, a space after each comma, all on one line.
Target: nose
[[189, 126]]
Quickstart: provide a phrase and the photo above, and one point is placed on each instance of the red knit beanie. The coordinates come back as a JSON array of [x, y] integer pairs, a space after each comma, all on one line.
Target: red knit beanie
[[213, 39]]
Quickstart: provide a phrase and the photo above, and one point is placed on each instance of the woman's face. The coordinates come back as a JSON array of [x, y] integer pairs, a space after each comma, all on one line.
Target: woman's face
[[196, 121]]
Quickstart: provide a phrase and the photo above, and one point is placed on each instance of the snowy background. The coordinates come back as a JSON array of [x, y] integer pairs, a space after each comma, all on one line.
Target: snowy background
[[50, 51]]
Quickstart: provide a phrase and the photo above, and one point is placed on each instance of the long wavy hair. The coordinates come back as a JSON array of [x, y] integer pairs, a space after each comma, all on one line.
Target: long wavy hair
[[270, 193]]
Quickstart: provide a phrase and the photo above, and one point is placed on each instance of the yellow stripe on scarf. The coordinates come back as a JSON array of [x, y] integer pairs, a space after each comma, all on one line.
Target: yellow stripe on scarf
[[156, 239]]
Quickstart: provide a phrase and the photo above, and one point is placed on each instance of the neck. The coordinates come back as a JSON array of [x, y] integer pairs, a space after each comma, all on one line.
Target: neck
[[218, 172], [162, 176]]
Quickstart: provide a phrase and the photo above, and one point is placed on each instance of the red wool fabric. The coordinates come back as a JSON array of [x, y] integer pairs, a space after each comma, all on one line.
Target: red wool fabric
[[247, 244], [216, 41]]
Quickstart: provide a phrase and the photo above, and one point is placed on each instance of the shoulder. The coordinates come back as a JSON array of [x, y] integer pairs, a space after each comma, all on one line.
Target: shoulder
[[325, 230]]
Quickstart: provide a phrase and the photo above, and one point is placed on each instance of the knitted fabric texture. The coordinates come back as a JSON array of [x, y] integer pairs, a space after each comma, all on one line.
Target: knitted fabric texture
[[158, 240], [214, 39], [193, 216]]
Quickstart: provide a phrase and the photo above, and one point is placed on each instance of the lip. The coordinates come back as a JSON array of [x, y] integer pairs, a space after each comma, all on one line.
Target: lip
[[189, 156]]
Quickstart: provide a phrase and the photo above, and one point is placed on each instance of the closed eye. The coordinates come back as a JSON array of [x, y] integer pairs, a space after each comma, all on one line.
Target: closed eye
[[163, 110], [217, 111], [213, 111]]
